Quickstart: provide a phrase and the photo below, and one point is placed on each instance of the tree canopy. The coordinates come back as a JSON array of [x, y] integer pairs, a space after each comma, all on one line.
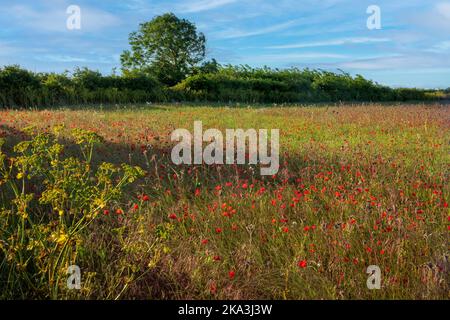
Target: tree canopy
[[167, 47]]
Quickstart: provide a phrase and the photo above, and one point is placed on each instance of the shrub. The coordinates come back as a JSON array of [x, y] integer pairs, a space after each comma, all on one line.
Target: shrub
[[213, 83], [42, 226]]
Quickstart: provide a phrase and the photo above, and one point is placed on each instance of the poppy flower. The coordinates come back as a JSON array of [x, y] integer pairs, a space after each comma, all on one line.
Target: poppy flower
[[172, 216], [119, 211], [204, 241], [302, 264], [213, 288], [218, 230], [106, 212], [231, 274], [145, 198]]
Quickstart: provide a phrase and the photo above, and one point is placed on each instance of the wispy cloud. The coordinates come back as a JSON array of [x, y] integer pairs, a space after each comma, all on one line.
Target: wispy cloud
[[203, 5], [236, 33], [53, 19], [397, 62], [436, 19], [441, 47], [335, 42], [293, 58], [7, 49], [58, 58]]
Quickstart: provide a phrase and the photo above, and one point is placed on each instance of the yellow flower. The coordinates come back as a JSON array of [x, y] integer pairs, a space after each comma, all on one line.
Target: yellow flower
[[61, 213], [20, 175], [62, 238], [99, 203]]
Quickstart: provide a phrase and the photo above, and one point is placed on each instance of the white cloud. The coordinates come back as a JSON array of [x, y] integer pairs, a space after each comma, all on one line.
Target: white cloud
[[54, 19], [6, 49], [436, 19], [61, 58], [396, 62], [443, 9], [441, 47], [235, 33], [292, 58], [203, 5], [335, 42]]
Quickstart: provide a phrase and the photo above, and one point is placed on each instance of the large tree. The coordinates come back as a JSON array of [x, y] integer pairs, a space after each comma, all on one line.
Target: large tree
[[167, 47]]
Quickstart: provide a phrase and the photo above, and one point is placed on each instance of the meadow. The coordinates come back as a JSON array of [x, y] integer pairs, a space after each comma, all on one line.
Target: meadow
[[358, 185]]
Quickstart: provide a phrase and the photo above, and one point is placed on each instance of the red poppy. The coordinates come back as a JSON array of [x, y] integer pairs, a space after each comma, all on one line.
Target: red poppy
[[119, 211], [106, 212], [145, 198], [173, 216], [204, 241], [213, 288], [303, 264], [231, 274], [218, 230]]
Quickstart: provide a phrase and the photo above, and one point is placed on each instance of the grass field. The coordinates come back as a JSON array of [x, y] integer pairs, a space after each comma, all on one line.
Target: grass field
[[357, 186]]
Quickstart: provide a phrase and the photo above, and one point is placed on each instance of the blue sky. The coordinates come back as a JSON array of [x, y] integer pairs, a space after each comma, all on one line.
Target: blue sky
[[411, 49]]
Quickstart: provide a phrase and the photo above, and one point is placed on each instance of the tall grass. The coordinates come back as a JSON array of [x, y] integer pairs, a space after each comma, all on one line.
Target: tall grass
[[358, 186]]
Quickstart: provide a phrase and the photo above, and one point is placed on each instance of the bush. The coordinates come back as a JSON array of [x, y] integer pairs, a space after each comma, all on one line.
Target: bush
[[244, 84], [212, 83], [42, 227], [22, 88]]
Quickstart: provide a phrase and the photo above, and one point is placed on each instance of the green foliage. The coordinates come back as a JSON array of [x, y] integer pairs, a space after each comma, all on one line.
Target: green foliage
[[167, 47], [245, 84], [22, 88], [209, 82], [17, 86], [42, 227]]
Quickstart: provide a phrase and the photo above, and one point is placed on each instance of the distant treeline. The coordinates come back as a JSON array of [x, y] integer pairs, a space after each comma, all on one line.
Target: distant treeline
[[23, 88]]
